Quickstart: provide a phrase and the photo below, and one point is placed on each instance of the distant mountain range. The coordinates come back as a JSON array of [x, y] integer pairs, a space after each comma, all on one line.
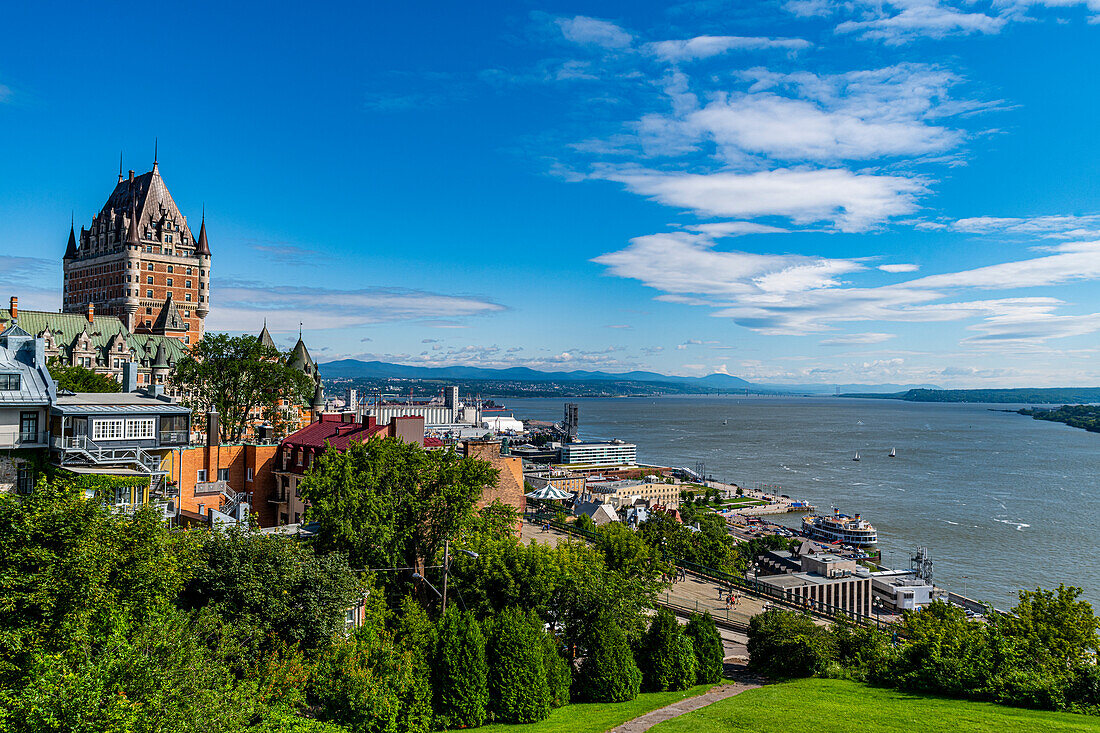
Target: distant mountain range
[[355, 369]]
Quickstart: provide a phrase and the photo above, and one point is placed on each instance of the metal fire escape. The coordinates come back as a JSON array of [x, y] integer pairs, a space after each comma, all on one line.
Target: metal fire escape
[[81, 451]]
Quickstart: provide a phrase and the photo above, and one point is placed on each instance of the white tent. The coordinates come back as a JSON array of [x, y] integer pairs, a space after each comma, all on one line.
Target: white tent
[[550, 493]]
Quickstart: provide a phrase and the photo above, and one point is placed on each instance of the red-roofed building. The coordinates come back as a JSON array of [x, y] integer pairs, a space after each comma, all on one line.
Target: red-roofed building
[[337, 431]]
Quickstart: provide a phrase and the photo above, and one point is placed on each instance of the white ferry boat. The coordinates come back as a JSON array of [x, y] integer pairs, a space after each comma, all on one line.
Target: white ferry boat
[[840, 528]]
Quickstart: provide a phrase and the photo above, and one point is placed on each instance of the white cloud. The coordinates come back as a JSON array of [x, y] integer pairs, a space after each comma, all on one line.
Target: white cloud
[[858, 338], [850, 201], [702, 47], [284, 307], [734, 229], [901, 21], [588, 31], [796, 294], [1046, 227], [899, 267]]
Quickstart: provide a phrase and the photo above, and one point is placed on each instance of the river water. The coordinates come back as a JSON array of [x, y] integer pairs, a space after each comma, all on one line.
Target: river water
[[1001, 501]]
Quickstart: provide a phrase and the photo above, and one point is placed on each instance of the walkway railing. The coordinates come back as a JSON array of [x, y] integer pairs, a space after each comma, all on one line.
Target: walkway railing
[[754, 588]]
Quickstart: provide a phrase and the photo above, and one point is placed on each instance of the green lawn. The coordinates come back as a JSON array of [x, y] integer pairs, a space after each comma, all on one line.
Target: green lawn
[[836, 706], [597, 717]]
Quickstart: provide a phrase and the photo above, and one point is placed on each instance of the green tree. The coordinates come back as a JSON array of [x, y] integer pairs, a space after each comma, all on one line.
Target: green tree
[[388, 503], [706, 643], [272, 589], [1053, 624], [148, 678], [237, 375], [559, 672], [460, 672], [71, 574], [365, 685], [585, 523], [79, 379], [517, 669], [784, 644], [608, 672], [944, 652], [661, 659], [415, 633]]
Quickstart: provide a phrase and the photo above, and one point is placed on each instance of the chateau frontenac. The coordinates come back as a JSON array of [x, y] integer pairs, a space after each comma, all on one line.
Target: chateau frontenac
[[141, 262]]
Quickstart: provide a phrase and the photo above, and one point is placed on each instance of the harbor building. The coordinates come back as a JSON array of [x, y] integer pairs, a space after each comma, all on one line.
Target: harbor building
[[140, 262], [836, 589], [625, 493], [613, 453], [558, 478]]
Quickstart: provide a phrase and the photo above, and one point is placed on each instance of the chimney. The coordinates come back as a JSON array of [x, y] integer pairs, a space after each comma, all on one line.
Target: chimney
[[129, 376], [131, 176], [213, 429], [91, 312], [14, 307]]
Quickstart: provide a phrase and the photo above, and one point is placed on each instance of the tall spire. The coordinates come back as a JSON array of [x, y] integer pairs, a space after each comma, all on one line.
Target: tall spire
[[202, 248], [120, 166], [156, 142], [132, 235], [70, 251]]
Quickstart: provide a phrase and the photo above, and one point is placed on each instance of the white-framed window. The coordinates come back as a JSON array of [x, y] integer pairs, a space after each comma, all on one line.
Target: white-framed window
[[142, 428], [108, 429], [200, 476], [248, 474]]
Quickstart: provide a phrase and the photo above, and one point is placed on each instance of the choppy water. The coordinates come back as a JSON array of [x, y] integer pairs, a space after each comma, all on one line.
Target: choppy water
[[1002, 501]]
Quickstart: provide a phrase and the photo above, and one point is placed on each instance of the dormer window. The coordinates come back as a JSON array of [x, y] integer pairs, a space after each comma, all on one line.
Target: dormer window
[[9, 382]]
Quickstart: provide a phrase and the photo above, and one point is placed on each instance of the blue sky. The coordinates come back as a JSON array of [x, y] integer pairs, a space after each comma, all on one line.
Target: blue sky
[[792, 192]]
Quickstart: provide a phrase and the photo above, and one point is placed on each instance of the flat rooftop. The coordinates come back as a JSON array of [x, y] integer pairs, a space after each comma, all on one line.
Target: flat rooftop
[[121, 403]]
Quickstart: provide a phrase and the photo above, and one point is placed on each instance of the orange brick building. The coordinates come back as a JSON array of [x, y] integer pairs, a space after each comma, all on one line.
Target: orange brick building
[[214, 476], [509, 486]]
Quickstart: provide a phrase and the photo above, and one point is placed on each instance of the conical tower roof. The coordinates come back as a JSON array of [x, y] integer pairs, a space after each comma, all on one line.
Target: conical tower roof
[[301, 360], [265, 338], [202, 247], [70, 250], [132, 235], [160, 361], [318, 398]]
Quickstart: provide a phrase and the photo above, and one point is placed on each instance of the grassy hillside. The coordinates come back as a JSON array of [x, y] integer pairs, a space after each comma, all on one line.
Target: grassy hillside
[[597, 717], [837, 706]]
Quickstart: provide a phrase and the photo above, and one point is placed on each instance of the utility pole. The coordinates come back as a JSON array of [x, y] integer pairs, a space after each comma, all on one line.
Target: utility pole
[[446, 570]]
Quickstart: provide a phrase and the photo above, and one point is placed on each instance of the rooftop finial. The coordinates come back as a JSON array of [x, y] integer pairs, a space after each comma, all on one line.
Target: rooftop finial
[[299, 330], [120, 165], [156, 143]]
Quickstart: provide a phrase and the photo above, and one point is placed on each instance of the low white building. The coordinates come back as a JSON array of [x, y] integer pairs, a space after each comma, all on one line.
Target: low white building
[[613, 453], [902, 590]]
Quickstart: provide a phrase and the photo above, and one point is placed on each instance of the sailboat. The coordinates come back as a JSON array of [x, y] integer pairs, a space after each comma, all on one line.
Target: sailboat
[[725, 422], [893, 453], [856, 456]]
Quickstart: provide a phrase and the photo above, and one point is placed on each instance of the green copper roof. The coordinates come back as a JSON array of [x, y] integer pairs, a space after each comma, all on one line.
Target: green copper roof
[[66, 327]]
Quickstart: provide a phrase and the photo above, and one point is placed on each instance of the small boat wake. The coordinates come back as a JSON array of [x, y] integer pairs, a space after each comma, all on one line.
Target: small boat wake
[[1020, 526]]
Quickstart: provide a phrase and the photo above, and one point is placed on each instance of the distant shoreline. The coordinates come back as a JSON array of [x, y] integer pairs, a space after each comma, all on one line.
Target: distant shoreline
[[1019, 396]]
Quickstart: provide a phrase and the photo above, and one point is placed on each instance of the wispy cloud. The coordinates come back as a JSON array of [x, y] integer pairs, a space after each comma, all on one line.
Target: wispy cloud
[[850, 201], [594, 32], [284, 307], [702, 47], [858, 338]]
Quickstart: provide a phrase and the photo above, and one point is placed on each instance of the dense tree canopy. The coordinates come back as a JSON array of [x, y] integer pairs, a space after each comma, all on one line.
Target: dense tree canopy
[[80, 379], [387, 503], [237, 375]]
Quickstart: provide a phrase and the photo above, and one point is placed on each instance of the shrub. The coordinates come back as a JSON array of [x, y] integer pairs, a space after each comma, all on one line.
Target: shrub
[[661, 662], [364, 683], [460, 673], [683, 664], [585, 523], [559, 672], [784, 644], [518, 691], [608, 672], [707, 645]]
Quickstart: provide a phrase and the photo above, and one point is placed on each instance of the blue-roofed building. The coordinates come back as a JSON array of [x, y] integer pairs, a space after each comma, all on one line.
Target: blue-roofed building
[[26, 391]]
